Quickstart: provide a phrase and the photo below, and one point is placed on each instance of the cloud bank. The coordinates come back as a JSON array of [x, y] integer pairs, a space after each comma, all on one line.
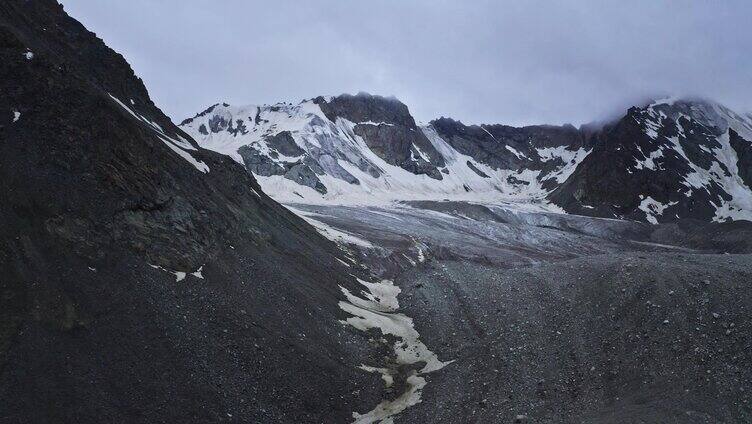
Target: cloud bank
[[480, 61]]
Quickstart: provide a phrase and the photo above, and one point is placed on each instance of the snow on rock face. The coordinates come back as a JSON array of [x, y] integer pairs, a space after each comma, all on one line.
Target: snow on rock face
[[669, 160], [692, 156], [16, 116], [697, 133], [367, 149], [652, 208], [177, 145]]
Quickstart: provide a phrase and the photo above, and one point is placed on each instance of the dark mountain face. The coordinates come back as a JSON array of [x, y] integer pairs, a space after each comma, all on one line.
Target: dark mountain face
[[665, 162], [488, 143], [387, 127], [105, 205], [743, 149], [516, 148]]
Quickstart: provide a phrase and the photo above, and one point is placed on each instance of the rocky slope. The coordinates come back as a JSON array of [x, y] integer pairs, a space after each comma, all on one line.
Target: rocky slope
[[662, 162], [146, 279]]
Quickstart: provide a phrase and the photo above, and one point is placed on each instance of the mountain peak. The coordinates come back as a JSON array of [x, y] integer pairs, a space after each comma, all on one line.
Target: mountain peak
[[341, 148]]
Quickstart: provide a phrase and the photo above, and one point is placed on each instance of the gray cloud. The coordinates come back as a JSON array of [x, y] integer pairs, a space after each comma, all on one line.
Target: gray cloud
[[481, 61]]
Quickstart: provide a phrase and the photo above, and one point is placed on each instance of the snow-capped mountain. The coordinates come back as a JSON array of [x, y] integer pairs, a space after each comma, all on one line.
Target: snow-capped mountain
[[665, 161], [669, 160], [367, 148]]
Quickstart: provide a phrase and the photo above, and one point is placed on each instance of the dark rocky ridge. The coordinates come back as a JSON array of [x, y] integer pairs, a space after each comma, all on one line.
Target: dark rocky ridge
[[743, 150], [388, 129], [487, 143], [89, 331], [304, 171], [490, 144]]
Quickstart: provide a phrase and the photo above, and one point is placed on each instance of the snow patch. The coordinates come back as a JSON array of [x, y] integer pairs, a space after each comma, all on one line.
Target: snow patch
[[337, 236], [378, 309], [515, 152], [653, 208], [649, 162], [178, 145], [375, 123], [180, 275]]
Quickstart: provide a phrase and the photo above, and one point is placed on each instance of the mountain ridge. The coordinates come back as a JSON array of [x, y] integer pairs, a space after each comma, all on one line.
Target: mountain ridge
[[485, 162]]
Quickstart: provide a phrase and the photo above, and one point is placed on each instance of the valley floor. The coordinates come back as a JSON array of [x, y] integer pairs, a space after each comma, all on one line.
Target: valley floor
[[558, 318]]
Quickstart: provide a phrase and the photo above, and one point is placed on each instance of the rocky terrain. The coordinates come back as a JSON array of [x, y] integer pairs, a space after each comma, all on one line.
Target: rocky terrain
[[143, 278], [554, 318], [415, 273]]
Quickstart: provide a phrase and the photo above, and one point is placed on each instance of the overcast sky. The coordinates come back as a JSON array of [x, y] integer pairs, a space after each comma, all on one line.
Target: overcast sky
[[514, 62]]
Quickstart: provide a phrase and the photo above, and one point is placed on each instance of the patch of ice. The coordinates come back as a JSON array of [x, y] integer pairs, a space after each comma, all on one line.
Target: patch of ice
[[649, 162], [198, 273], [386, 374], [388, 408], [515, 152], [342, 262], [422, 155]]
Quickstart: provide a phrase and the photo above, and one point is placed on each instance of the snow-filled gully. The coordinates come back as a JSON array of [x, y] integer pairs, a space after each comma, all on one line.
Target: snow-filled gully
[[377, 308]]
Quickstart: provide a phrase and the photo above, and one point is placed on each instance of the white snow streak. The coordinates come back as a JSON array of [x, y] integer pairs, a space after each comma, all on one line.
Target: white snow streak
[[378, 309], [329, 232], [178, 146], [180, 275]]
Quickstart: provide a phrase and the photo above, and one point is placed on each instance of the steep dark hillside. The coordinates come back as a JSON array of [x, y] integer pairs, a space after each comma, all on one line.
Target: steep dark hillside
[[105, 204]]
